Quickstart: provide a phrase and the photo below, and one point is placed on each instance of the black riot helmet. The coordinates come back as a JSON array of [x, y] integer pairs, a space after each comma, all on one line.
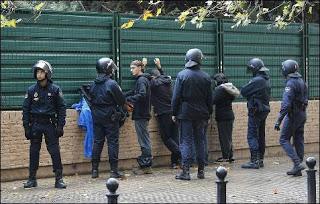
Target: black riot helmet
[[106, 66], [289, 66], [45, 66], [256, 65], [194, 57]]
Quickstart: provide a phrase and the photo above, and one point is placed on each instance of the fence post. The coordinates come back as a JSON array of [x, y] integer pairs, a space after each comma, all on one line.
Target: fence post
[[112, 185], [311, 180], [221, 184]]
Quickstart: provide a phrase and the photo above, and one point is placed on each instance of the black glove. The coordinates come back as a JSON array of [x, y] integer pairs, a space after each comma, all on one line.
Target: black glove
[[277, 126], [27, 132], [59, 131]]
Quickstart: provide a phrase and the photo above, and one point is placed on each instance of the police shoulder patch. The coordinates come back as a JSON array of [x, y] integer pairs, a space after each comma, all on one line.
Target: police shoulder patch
[[287, 89]]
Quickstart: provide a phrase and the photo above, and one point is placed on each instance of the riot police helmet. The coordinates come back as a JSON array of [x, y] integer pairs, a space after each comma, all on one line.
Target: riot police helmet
[[45, 66], [289, 66], [106, 66], [194, 57], [256, 65]]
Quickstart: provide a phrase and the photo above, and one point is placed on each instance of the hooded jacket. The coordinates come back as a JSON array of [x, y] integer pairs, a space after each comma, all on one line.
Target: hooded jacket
[[140, 97], [161, 94]]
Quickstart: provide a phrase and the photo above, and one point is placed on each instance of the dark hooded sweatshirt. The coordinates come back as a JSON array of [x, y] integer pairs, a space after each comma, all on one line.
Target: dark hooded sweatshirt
[[161, 94]]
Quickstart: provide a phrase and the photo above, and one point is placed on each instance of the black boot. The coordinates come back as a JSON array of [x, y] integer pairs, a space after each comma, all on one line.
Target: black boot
[[59, 182], [200, 171], [115, 173], [253, 163], [32, 181], [185, 174], [95, 171], [296, 170]]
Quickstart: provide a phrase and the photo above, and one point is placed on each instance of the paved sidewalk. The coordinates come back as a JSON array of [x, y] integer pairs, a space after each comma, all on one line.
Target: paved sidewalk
[[267, 185]]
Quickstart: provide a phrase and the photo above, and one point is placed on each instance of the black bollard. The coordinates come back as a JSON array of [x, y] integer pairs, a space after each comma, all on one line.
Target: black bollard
[[221, 184], [311, 172], [112, 185]]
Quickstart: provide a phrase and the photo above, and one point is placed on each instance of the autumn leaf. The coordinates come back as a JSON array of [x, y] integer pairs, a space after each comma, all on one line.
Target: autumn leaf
[[158, 11], [127, 25], [147, 14], [39, 6]]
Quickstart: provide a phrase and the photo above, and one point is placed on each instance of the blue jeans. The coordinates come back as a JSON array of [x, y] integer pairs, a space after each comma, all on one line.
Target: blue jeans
[[141, 127], [293, 127], [192, 132]]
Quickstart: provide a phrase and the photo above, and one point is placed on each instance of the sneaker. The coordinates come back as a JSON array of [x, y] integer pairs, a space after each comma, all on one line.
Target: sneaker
[[174, 166], [221, 160], [141, 171]]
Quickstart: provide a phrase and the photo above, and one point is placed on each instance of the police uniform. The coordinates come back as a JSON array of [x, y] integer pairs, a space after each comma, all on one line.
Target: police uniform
[[257, 92], [293, 114], [44, 113], [106, 101], [192, 106]]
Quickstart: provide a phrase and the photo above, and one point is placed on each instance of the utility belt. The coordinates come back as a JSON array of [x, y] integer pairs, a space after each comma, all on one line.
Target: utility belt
[[43, 119]]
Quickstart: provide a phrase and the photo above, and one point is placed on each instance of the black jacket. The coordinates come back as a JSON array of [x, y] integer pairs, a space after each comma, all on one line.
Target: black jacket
[[44, 102], [192, 95], [140, 98], [161, 94], [223, 101], [257, 92], [106, 97]]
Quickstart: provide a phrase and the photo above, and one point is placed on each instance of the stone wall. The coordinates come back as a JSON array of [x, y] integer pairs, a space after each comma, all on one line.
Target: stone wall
[[15, 148]]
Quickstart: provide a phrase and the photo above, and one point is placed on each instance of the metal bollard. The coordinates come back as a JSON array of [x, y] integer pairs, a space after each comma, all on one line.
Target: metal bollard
[[112, 185], [311, 172], [221, 184]]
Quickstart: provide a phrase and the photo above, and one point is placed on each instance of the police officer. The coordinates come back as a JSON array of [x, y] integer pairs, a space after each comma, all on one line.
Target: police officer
[[192, 105], [161, 95], [293, 111], [44, 113], [106, 100], [257, 92]]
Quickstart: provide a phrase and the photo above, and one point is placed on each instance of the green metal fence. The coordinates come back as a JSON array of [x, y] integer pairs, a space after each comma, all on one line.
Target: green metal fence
[[163, 38], [313, 60], [72, 42], [256, 40]]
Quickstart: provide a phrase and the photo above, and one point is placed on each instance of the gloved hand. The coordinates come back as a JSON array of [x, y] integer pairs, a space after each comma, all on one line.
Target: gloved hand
[[27, 132], [277, 126], [59, 131]]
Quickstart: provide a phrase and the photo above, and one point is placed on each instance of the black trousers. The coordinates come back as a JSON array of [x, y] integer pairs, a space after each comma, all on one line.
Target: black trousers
[[169, 135], [110, 130], [52, 143], [225, 136]]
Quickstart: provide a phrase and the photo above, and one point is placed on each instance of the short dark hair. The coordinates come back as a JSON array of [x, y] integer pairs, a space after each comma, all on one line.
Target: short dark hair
[[155, 72], [220, 78]]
